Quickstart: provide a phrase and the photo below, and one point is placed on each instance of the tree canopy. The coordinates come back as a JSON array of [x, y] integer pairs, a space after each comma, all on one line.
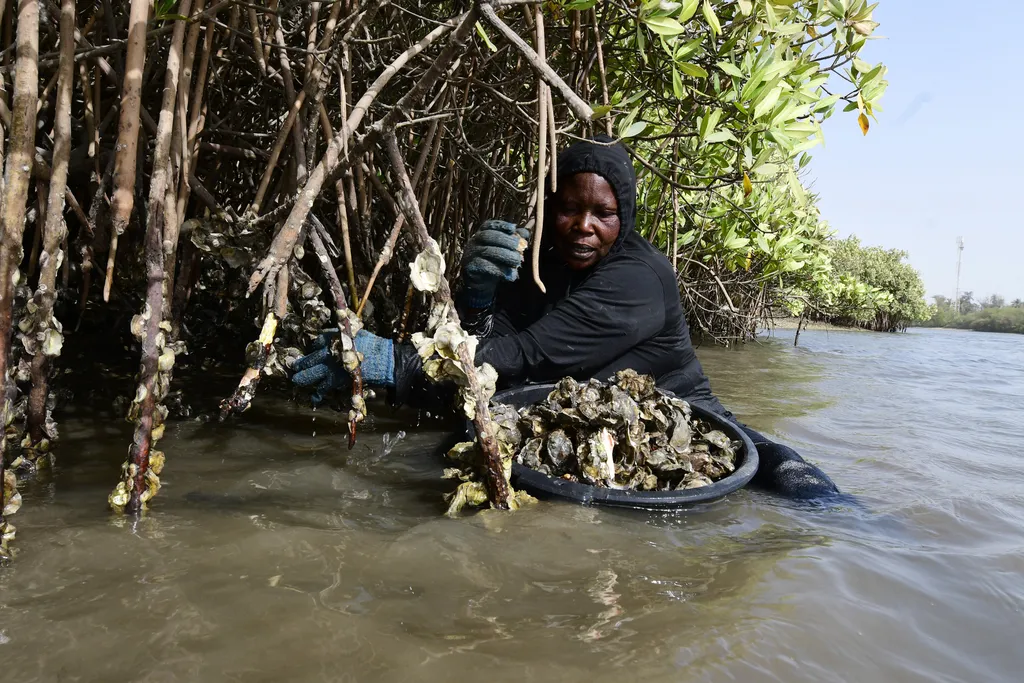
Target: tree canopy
[[723, 102]]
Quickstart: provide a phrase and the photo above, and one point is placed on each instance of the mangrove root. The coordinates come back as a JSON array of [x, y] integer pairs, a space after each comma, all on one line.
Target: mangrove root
[[258, 353]]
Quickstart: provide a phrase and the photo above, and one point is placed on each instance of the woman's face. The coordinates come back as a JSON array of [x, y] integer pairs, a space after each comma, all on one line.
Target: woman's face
[[586, 219]]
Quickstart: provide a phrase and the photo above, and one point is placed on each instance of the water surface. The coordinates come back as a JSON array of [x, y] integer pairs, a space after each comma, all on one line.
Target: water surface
[[274, 554]]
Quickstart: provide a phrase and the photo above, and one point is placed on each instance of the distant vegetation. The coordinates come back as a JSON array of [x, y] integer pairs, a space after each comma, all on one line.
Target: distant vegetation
[[867, 287], [993, 314]]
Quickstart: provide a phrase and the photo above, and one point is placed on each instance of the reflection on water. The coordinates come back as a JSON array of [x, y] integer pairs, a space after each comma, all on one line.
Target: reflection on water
[[276, 555]]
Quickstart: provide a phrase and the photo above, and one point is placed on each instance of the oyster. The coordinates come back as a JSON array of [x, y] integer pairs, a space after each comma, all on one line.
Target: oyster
[[694, 480], [559, 449], [591, 392], [596, 462], [636, 385], [529, 454], [681, 434], [531, 423], [621, 409], [621, 434], [564, 393], [717, 438]]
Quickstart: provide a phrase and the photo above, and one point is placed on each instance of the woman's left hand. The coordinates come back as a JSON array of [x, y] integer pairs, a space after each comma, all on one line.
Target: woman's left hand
[[494, 253]]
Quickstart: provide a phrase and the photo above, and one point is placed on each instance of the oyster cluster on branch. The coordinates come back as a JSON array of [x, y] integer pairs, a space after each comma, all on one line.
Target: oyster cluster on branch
[[166, 351]]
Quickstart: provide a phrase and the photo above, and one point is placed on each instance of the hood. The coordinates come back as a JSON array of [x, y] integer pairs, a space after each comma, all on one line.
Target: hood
[[610, 160]]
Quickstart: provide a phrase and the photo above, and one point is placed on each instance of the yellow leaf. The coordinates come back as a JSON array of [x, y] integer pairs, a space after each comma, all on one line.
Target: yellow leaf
[[864, 124], [748, 187]]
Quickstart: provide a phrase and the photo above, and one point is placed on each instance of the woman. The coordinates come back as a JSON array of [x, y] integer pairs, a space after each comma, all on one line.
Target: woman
[[612, 303]]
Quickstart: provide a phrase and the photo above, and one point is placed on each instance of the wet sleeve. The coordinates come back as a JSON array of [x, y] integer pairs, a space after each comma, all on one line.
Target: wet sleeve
[[412, 387], [486, 322], [415, 389], [616, 308]]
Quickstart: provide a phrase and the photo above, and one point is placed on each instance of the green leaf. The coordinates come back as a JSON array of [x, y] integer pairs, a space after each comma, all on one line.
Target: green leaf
[[483, 36], [687, 50], [711, 122], [720, 136], [791, 112], [580, 4], [766, 170], [746, 6], [808, 144], [633, 130], [664, 26], [861, 66], [730, 69], [693, 70], [780, 69], [172, 17], [872, 76], [688, 10], [789, 29], [600, 110], [677, 85], [709, 14], [768, 102]]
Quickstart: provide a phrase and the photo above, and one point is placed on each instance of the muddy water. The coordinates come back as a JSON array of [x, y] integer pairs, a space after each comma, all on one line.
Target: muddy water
[[273, 554]]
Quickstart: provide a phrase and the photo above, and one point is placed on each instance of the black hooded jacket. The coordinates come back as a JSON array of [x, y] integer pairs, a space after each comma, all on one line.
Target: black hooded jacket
[[624, 312]]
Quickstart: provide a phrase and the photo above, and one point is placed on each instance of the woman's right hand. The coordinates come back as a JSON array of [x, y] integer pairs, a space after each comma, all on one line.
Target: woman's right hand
[[322, 371], [494, 253]]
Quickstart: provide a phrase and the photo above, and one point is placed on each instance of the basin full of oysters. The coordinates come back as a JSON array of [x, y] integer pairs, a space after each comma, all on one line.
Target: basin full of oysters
[[624, 434]]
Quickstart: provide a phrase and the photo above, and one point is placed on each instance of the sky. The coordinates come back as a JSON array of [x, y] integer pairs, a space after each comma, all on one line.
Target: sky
[[945, 158]]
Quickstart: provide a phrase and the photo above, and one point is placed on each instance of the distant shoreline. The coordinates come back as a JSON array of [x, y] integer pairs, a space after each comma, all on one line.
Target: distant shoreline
[[791, 323], [964, 329]]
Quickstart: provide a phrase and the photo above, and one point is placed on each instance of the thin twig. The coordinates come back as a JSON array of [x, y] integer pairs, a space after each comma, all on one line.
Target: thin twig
[[578, 107]]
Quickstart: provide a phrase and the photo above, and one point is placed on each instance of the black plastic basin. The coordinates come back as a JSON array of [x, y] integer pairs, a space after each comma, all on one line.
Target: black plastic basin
[[543, 486]]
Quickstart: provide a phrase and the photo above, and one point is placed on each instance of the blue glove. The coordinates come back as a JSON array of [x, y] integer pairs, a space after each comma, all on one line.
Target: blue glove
[[491, 256], [320, 369]]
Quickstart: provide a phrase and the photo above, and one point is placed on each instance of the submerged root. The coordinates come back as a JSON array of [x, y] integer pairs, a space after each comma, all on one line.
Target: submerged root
[[259, 353], [10, 502], [473, 491]]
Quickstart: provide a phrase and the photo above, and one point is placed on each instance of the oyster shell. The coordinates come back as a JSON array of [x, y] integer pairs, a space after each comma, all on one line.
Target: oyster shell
[[559, 449], [529, 454]]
